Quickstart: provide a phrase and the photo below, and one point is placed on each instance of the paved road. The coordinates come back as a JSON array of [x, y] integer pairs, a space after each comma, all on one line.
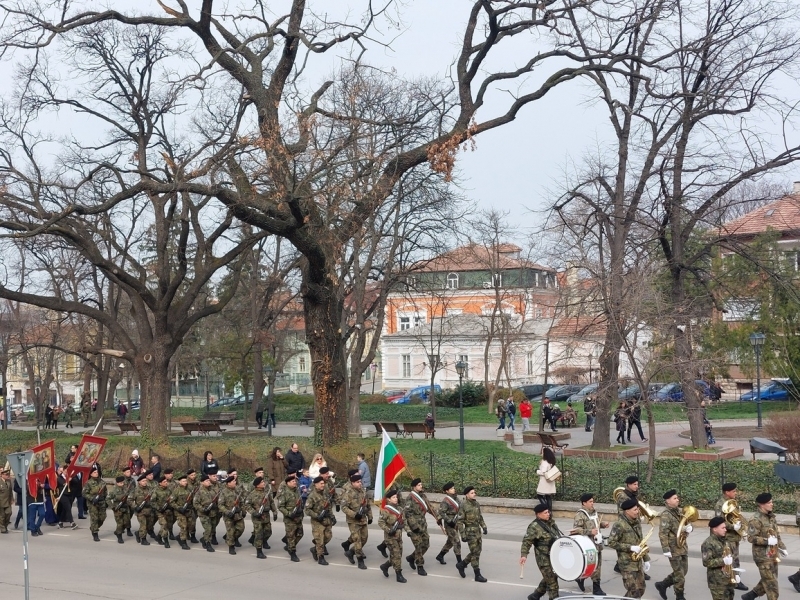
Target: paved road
[[67, 565]]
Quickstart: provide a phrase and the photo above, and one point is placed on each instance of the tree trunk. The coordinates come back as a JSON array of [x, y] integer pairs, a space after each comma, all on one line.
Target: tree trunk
[[354, 396], [156, 383], [607, 390]]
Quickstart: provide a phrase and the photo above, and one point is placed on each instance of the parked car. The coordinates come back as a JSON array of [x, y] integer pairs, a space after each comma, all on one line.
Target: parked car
[[561, 393], [776, 389], [534, 391], [393, 394], [673, 392], [422, 392], [583, 393], [224, 401], [630, 393]]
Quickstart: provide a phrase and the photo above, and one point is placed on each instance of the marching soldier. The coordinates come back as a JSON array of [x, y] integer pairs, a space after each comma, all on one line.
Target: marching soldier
[[345, 488], [542, 534], [259, 503], [668, 534], [391, 521], [143, 510], [632, 492], [448, 513], [69, 415], [230, 505], [318, 507], [626, 535], [191, 511], [587, 522], [162, 500], [766, 539], [183, 500], [416, 524], [717, 555], [291, 506], [216, 516], [95, 492], [358, 512], [119, 496], [470, 525], [734, 531], [206, 504]]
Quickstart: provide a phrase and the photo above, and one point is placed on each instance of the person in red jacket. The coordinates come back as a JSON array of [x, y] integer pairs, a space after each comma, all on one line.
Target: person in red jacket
[[525, 411]]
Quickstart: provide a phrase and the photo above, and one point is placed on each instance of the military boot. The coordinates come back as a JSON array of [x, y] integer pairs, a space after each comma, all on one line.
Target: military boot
[[751, 595], [144, 542], [252, 539], [237, 543], [232, 550], [260, 553], [160, 541], [293, 556], [203, 543], [321, 560], [581, 584], [265, 545], [440, 558], [794, 579], [210, 548], [351, 556], [138, 540], [361, 564], [214, 539], [596, 589], [382, 550], [743, 588], [385, 568], [534, 596], [184, 545], [153, 535], [95, 537], [662, 586], [411, 563], [166, 542], [346, 545], [314, 553], [478, 577], [193, 538], [421, 571], [399, 577], [461, 565], [119, 539], [171, 536], [129, 532], [325, 550]]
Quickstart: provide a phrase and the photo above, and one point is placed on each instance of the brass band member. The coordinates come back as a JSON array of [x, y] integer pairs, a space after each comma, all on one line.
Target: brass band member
[[587, 522], [632, 492], [734, 531], [542, 534], [626, 537], [766, 539], [668, 534], [718, 561]]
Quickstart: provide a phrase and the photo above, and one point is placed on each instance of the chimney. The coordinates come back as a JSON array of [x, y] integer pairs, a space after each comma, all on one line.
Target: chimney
[[796, 187]]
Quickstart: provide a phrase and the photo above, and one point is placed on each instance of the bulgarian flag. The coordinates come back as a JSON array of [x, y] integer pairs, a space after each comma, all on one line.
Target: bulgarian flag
[[390, 465]]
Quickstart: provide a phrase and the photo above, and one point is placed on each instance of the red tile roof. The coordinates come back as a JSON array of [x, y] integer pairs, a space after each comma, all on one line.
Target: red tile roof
[[475, 257], [781, 216]]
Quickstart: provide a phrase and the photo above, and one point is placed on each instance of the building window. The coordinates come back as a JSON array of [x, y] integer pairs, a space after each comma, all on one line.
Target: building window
[[405, 323], [530, 363], [497, 280], [406, 365], [452, 281], [465, 359], [453, 311], [302, 366]]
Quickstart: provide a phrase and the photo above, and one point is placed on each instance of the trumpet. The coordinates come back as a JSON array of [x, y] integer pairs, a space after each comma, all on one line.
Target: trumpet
[[728, 569], [772, 551], [690, 515], [733, 514]]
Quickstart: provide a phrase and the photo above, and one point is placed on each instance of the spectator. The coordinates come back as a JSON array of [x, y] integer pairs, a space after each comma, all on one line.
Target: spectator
[[546, 489], [590, 408], [363, 470], [122, 412], [271, 411], [635, 418], [429, 423], [73, 450], [548, 414], [136, 463], [94, 405], [557, 414], [56, 414], [304, 485], [316, 464], [18, 501], [570, 417], [69, 414], [260, 414], [155, 466], [709, 434], [294, 460], [620, 416], [208, 465], [511, 409], [500, 412], [525, 412], [715, 391], [48, 417], [2, 415], [276, 468]]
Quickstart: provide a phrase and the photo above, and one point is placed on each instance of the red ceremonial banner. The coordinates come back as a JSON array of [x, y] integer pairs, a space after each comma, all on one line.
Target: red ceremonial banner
[[43, 467], [88, 452]]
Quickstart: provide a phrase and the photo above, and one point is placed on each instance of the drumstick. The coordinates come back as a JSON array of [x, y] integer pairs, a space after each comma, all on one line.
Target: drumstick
[[522, 571]]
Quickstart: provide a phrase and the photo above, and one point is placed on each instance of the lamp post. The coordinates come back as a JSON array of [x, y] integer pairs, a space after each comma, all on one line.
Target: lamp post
[[590, 366], [461, 367], [269, 371], [757, 341], [374, 368]]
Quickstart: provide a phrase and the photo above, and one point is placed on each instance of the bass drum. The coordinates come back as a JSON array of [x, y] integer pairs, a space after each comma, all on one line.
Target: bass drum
[[573, 557]]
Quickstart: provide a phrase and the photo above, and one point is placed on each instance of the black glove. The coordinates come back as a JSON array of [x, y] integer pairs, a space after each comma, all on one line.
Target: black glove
[[369, 520], [408, 533], [338, 508], [321, 516], [451, 523], [275, 516], [485, 531]]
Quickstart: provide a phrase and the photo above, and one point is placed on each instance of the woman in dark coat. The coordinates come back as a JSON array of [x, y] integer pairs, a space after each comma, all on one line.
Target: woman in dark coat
[[209, 465], [276, 469]]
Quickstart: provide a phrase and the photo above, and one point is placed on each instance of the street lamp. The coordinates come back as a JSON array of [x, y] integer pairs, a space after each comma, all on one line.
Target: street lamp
[[757, 341], [373, 367], [268, 370], [461, 367]]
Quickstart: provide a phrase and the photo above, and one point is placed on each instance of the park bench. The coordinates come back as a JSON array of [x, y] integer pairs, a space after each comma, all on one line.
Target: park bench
[[549, 441], [221, 417], [191, 426], [126, 427], [412, 428], [390, 428], [307, 416], [206, 427]]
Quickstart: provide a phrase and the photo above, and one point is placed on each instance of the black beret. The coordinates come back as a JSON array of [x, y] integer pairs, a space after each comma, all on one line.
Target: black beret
[[142, 477], [148, 472], [324, 470], [126, 468], [629, 504], [95, 467], [230, 479], [257, 469], [586, 497], [669, 494], [468, 489], [355, 477], [190, 472], [161, 479], [168, 471], [120, 479], [447, 486], [318, 479], [763, 498], [728, 487], [631, 479], [352, 472], [213, 471], [540, 508], [716, 522], [290, 477], [416, 481], [182, 477], [258, 481], [392, 492], [204, 477]]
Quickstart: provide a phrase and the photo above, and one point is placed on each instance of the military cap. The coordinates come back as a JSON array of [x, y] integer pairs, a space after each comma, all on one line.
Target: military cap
[[728, 487], [190, 472], [415, 482], [258, 481], [95, 467], [168, 471], [669, 494], [763, 498], [392, 492], [355, 477], [289, 477], [126, 468], [468, 489], [119, 478], [716, 522], [182, 477], [448, 486], [586, 497], [540, 508], [324, 470], [318, 479], [351, 472], [213, 471], [230, 479], [257, 470], [629, 504], [631, 479], [204, 477]]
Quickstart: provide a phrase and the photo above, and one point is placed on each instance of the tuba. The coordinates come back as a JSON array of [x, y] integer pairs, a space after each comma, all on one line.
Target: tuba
[[690, 515], [733, 514], [772, 551]]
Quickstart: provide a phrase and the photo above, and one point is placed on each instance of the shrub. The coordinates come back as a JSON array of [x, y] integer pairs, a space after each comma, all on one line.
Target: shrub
[[372, 399], [474, 395], [784, 428], [518, 395]]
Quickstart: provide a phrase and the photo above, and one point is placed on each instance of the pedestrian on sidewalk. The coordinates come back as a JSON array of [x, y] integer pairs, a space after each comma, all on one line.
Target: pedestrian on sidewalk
[[620, 416], [590, 409], [635, 419], [525, 411], [500, 412], [547, 413], [546, 489], [511, 409]]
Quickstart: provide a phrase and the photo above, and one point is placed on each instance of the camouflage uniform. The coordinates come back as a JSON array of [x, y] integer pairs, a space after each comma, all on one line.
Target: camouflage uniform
[[162, 503], [184, 509], [208, 511], [732, 536], [391, 521], [119, 497], [232, 514], [291, 507], [352, 502], [95, 492], [262, 527], [757, 533], [583, 524], [321, 530], [191, 511], [448, 513], [6, 501], [86, 411], [627, 532], [624, 496], [416, 525], [470, 523], [668, 533], [719, 584], [69, 414], [142, 500], [541, 535]]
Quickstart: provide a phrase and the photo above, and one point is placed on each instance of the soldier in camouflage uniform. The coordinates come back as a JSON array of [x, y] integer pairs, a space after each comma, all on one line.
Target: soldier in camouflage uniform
[[162, 503], [763, 533], [169, 475], [391, 521], [69, 414], [587, 522], [448, 513], [95, 491], [470, 525], [120, 506], [542, 534], [668, 534], [86, 409], [182, 507], [290, 504], [216, 516], [734, 531], [717, 554], [259, 504], [359, 514], [206, 502], [319, 506], [795, 579], [231, 505], [626, 535], [143, 508], [191, 511], [416, 524]]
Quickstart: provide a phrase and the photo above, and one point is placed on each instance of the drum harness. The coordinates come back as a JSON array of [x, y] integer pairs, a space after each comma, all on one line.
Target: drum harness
[[555, 535], [598, 539]]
